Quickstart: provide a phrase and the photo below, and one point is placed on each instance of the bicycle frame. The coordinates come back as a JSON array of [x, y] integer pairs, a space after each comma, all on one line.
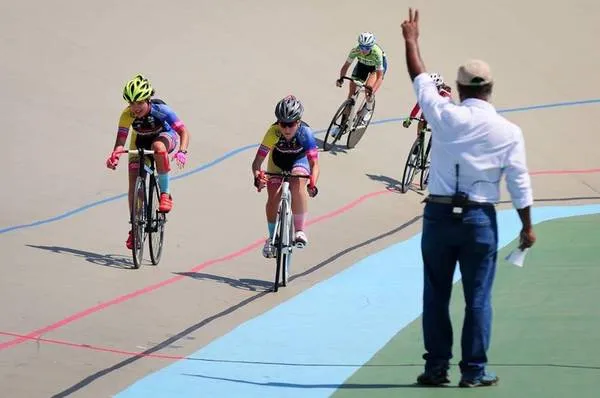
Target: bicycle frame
[[285, 201], [282, 239], [141, 220], [360, 87], [422, 133]]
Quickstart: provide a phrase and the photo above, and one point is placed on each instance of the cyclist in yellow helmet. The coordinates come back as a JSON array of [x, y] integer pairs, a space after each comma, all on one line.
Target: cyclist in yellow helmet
[[154, 126]]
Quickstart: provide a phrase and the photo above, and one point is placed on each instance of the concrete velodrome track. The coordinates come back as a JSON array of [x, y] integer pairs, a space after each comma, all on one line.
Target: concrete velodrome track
[[73, 315]]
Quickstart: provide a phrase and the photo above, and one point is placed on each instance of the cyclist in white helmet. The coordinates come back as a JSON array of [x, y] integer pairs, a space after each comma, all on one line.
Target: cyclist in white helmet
[[370, 67], [443, 89]]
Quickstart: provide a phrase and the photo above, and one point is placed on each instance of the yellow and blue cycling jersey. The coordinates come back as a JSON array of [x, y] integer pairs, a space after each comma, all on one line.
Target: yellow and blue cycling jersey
[[161, 118], [161, 121], [287, 155]]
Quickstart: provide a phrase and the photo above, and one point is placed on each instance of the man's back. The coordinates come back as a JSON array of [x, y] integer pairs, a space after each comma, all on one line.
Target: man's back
[[483, 143]]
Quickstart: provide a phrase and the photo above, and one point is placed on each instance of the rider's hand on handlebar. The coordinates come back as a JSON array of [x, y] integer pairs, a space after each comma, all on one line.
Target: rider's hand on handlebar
[[339, 82], [260, 180], [113, 159], [369, 90], [406, 123]]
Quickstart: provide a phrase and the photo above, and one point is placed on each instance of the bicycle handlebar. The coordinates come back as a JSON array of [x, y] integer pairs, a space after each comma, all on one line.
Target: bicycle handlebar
[[286, 174], [357, 82], [137, 151]]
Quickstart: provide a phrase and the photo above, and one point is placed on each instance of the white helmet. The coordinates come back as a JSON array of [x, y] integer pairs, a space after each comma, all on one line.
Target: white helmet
[[366, 39], [289, 109], [437, 79]]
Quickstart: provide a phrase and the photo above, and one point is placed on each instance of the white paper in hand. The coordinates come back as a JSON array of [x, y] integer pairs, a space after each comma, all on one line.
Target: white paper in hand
[[516, 257]]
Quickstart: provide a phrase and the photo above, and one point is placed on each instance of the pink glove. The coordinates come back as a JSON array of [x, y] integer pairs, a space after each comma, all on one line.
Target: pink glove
[[180, 158], [260, 180], [113, 159]]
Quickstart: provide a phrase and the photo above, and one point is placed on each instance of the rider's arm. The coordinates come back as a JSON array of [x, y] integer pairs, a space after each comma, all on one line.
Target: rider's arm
[[378, 81], [123, 130], [312, 154], [344, 68], [177, 125], [351, 57], [265, 147], [415, 110]]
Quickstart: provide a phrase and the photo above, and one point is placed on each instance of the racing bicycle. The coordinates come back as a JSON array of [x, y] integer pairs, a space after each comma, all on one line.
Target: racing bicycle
[[350, 119]]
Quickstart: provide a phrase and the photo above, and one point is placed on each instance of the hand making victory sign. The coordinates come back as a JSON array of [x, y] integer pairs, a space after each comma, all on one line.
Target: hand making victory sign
[[410, 31]]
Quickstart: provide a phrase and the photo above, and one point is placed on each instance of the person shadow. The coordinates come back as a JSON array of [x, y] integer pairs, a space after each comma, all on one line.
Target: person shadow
[[105, 260]]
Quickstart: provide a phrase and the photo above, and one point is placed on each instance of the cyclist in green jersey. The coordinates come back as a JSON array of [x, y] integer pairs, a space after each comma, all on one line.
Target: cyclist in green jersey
[[370, 67]]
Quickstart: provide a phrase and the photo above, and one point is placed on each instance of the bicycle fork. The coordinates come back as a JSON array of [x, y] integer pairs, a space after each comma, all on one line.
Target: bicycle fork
[[285, 198]]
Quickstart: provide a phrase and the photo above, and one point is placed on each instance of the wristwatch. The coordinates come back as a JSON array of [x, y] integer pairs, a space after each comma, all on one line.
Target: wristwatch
[[183, 151]]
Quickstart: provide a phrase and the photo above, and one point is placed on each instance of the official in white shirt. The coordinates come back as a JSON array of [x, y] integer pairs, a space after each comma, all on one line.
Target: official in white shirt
[[472, 148]]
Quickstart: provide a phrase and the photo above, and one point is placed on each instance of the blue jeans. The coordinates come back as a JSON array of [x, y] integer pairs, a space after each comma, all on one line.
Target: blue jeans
[[473, 242]]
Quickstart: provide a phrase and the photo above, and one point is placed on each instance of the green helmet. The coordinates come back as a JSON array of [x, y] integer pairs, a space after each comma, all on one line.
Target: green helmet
[[137, 89]]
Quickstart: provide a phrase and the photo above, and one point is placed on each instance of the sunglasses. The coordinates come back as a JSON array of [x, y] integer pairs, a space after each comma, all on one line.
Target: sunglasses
[[363, 48], [287, 124]]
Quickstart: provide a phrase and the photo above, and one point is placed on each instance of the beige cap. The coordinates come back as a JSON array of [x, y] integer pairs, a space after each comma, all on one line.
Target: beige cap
[[474, 72]]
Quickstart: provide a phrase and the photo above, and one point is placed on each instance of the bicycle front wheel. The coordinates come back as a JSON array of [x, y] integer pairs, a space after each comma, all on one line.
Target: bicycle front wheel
[[359, 127], [288, 245], [156, 222], [425, 166], [338, 125], [281, 234], [138, 221], [410, 168]]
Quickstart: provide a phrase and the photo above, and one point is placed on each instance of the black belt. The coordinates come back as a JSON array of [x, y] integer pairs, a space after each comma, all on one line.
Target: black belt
[[447, 200]]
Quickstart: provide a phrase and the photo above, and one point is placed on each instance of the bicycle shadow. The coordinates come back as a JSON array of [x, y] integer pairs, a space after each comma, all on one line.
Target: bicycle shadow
[[334, 150], [393, 185], [252, 285], [105, 260]]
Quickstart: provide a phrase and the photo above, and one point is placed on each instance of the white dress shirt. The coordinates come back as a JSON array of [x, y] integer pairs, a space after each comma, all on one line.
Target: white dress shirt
[[484, 144]]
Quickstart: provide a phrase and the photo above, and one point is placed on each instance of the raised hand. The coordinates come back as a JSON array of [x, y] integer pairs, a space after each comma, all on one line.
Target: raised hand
[[410, 27]]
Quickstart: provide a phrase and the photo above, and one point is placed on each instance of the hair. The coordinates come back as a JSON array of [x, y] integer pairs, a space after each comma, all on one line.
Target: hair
[[483, 92]]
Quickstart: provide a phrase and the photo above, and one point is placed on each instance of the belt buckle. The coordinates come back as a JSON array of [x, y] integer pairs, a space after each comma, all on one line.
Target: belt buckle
[[457, 212]]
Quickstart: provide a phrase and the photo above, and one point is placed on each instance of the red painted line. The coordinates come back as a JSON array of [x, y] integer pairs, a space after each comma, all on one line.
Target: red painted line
[[94, 348], [121, 299]]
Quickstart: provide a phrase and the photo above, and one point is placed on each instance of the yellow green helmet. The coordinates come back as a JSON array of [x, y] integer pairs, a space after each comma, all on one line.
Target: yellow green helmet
[[137, 89]]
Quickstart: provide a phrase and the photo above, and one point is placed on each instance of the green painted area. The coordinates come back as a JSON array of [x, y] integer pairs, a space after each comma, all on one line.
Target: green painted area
[[546, 330]]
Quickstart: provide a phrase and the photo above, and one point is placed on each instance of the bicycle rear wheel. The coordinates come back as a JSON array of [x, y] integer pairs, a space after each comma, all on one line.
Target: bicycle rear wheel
[[359, 127], [412, 163], [156, 222], [279, 244], [336, 123], [425, 166], [138, 221]]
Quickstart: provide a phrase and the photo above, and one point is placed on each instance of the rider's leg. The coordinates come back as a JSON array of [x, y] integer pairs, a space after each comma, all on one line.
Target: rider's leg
[[371, 82], [133, 173], [356, 74], [300, 198], [161, 146], [273, 196], [133, 167]]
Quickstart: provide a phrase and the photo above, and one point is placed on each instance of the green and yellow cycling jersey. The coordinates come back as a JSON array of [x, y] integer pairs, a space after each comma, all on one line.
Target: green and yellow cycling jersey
[[373, 58]]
